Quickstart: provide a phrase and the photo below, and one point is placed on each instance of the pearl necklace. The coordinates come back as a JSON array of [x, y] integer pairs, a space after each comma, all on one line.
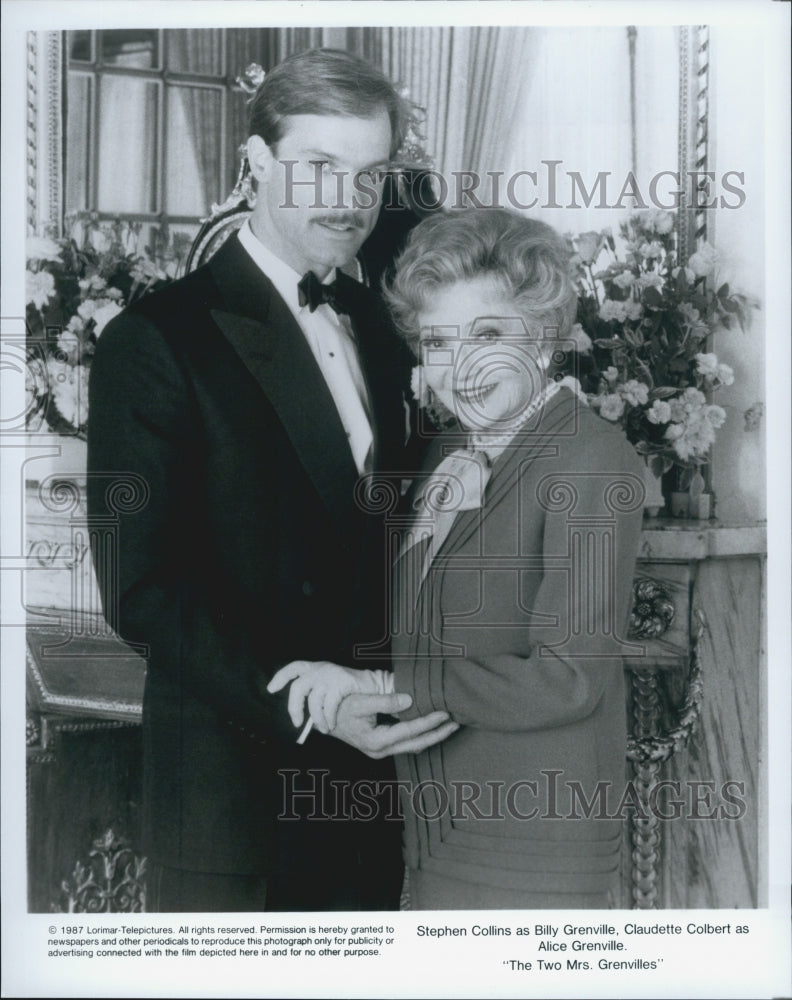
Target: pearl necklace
[[493, 444]]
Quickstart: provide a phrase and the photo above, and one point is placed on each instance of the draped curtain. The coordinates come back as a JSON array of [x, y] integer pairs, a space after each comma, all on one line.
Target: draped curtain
[[127, 107], [195, 50], [470, 80]]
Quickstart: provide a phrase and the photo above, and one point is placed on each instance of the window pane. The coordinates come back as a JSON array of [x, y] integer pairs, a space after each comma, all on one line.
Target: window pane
[[195, 51], [78, 130], [127, 145], [167, 244], [192, 153], [79, 43], [136, 49]]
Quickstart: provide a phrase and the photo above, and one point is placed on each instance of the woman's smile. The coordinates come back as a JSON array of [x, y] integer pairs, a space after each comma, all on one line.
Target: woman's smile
[[477, 394]]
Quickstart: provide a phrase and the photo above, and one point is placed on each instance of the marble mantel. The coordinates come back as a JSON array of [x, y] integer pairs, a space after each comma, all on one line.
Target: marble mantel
[[674, 539]]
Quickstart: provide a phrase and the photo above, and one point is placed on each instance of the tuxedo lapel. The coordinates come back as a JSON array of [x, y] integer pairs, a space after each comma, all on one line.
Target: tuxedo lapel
[[262, 330]]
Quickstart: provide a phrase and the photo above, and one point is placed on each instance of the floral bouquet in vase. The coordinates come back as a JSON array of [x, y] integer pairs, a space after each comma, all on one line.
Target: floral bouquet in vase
[[645, 326], [74, 287]]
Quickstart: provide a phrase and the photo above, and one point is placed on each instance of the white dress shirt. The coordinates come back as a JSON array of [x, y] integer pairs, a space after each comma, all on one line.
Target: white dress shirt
[[331, 341]]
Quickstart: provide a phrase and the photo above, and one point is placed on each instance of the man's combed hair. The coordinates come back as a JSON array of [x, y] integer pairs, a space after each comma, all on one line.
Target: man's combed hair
[[325, 82], [527, 257]]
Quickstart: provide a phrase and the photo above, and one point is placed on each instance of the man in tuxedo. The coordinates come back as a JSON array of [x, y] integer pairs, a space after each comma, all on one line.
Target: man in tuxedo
[[241, 408]]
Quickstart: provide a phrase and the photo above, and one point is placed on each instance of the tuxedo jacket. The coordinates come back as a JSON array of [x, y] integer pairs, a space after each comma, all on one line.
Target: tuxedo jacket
[[248, 544]]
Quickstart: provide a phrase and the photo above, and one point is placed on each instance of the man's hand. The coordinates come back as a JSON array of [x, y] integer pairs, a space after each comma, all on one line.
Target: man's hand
[[323, 686], [357, 725]]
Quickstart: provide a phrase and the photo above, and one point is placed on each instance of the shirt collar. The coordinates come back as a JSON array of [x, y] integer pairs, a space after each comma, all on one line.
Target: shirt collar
[[284, 278]]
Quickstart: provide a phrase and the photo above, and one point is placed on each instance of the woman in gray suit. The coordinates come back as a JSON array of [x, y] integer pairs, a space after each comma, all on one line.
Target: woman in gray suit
[[512, 585]]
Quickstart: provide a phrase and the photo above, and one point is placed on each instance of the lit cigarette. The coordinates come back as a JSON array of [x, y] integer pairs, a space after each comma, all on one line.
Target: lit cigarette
[[306, 729]]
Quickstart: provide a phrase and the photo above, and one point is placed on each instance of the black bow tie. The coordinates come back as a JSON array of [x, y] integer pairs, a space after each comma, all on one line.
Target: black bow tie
[[312, 293]]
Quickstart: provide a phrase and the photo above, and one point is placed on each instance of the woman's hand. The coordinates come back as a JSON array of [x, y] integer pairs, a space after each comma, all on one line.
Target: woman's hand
[[324, 686]]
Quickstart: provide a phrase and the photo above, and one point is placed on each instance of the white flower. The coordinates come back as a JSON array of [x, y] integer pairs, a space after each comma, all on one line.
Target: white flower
[[101, 240], [651, 280], [42, 248], [703, 261], [582, 340], [716, 415], [625, 280], [71, 346], [611, 406], [610, 374], [611, 310], [94, 283], [693, 437], [114, 293], [69, 387], [589, 246], [86, 309], [674, 431], [146, 270], [651, 251], [677, 408], [693, 399], [707, 365], [39, 288], [688, 403], [633, 310], [106, 311], [659, 412], [662, 222], [636, 393]]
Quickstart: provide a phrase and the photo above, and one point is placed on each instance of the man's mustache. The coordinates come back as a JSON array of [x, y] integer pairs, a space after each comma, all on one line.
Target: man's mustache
[[356, 220]]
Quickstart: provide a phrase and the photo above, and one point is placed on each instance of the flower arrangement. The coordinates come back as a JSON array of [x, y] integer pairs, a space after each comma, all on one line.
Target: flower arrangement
[[74, 287], [643, 338]]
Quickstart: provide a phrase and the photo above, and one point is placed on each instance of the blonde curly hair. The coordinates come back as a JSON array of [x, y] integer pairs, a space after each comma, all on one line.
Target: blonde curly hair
[[529, 258]]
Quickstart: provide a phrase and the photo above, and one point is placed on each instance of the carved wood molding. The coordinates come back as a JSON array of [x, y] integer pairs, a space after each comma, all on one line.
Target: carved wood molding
[[44, 142], [648, 749], [110, 880], [693, 133]]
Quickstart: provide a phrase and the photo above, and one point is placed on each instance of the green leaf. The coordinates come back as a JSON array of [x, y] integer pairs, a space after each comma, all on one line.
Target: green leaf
[[663, 392], [632, 337], [723, 291], [609, 343]]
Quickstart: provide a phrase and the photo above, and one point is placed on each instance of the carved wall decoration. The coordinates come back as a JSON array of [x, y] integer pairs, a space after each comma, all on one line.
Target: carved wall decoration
[[653, 609], [111, 881]]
